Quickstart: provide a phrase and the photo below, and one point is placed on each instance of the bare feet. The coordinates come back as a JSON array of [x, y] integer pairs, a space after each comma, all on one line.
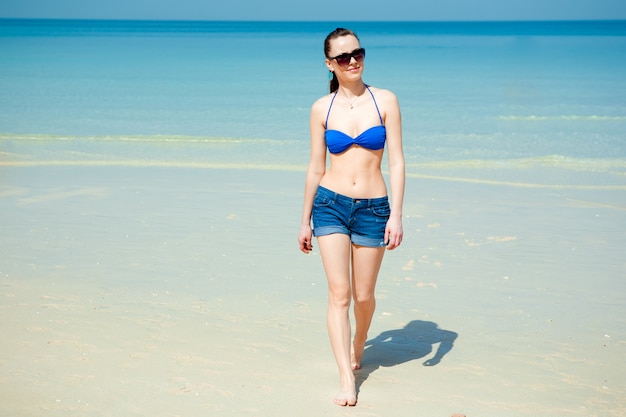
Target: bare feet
[[347, 395]]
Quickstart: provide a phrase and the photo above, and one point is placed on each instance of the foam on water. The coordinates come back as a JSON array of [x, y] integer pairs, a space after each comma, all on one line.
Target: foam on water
[[251, 154]]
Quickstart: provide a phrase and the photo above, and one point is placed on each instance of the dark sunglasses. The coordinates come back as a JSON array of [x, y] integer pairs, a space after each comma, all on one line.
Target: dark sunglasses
[[345, 58]]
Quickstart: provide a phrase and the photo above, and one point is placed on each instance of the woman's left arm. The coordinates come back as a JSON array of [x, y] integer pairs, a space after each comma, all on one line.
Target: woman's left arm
[[393, 126]]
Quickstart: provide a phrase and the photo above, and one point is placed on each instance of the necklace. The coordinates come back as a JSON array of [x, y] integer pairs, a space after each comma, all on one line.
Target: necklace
[[351, 103], [354, 99]]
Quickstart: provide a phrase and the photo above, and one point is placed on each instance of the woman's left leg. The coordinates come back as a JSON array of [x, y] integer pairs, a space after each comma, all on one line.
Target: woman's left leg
[[366, 263]]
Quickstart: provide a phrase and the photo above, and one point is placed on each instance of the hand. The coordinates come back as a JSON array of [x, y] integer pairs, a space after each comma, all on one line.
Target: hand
[[305, 239], [393, 233]]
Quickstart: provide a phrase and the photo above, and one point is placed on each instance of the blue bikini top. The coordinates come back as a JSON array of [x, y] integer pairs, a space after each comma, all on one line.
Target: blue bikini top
[[373, 138]]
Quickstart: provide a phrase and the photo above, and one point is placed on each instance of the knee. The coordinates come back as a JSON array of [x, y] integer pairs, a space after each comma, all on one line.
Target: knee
[[339, 298], [364, 299]]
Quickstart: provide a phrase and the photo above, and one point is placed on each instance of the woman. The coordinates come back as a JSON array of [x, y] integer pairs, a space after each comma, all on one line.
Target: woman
[[352, 218]]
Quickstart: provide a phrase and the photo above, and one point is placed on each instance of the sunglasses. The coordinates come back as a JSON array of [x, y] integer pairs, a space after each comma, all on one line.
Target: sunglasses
[[345, 58]]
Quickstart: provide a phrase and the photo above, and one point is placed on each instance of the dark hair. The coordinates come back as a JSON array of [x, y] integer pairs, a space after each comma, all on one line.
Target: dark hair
[[337, 33]]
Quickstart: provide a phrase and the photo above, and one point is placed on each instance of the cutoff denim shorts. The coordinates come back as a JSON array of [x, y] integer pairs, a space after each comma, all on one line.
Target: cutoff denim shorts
[[364, 220]]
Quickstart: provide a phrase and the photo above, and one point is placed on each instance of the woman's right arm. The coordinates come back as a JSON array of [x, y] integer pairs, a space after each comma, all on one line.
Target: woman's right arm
[[314, 174]]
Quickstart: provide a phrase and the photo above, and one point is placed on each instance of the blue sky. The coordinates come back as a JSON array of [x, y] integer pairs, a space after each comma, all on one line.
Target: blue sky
[[332, 10]]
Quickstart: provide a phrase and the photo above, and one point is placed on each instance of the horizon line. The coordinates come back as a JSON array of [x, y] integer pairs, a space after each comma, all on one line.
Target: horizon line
[[312, 21]]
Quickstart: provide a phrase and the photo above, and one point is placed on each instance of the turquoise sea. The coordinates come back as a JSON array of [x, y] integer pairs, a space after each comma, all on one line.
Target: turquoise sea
[[240, 92]]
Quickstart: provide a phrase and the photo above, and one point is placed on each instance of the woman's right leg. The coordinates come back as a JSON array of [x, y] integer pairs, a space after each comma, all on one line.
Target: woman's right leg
[[366, 263], [335, 250]]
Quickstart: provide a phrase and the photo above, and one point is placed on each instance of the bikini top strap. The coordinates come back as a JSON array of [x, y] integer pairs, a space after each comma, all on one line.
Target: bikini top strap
[[330, 107], [375, 104]]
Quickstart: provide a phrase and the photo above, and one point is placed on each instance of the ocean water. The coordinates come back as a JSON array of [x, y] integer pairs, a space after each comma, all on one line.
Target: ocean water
[[240, 92]]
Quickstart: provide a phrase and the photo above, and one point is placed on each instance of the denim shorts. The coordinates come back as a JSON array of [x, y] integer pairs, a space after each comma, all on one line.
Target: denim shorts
[[364, 220]]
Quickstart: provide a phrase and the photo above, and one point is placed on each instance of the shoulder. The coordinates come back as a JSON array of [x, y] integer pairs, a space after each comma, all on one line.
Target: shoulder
[[319, 109], [322, 103], [384, 96], [387, 103]]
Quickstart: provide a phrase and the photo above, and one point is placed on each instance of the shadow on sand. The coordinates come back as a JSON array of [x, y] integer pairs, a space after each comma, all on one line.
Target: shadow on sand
[[414, 341]]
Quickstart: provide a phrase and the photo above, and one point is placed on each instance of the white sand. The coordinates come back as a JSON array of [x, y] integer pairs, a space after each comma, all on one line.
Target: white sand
[[181, 292]]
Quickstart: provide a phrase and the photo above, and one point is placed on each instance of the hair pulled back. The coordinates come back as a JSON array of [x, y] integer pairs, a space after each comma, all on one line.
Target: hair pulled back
[[337, 33]]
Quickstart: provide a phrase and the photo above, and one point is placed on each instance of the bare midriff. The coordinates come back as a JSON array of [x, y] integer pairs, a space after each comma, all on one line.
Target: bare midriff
[[356, 173]]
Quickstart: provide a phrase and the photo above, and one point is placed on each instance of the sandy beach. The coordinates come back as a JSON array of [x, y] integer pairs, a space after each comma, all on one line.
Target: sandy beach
[[152, 290]]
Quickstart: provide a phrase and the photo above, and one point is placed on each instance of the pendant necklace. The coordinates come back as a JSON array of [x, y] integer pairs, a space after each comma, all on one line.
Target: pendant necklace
[[351, 103]]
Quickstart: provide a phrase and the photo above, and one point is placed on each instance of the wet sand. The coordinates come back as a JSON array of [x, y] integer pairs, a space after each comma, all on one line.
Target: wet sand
[[179, 291]]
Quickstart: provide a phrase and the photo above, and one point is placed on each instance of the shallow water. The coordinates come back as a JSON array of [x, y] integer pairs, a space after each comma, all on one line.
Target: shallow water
[[468, 91]]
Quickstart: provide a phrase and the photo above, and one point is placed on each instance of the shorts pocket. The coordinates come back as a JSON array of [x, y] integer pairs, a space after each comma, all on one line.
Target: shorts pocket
[[321, 201], [382, 210]]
